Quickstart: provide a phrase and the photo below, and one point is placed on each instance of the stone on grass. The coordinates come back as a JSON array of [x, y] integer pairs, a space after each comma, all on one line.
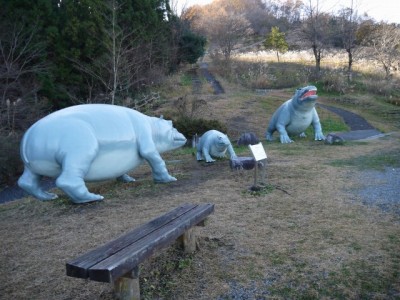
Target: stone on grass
[[334, 139], [248, 138]]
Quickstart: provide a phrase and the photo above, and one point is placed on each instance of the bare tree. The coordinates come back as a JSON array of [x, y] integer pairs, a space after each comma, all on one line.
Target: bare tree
[[224, 23], [20, 58], [196, 18], [287, 12], [348, 25], [256, 12], [177, 9], [21, 61], [384, 42], [315, 32], [118, 69]]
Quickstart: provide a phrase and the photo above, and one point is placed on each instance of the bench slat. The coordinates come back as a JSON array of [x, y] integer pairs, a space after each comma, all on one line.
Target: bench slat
[[79, 267], [125, 260]]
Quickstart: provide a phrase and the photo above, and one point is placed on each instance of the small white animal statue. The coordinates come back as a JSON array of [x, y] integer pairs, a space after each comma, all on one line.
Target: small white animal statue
[[214, 144], [93, 142]]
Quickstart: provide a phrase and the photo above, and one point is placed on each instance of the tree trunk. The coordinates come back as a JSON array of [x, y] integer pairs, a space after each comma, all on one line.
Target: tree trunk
[[317, 56], [350, 65], [114, 54]]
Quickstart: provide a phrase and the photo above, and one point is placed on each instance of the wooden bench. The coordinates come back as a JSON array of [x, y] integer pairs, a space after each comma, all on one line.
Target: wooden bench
[[118, 261]]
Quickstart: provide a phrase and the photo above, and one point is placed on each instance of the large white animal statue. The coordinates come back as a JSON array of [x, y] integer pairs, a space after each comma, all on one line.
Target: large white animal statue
[[94, 142]]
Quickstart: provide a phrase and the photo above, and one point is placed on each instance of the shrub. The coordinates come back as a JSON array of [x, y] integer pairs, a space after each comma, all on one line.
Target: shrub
[[15, 118], [191, 47], [10, 163], [381, 87], [189, 107], [334, 81], [189, 127]]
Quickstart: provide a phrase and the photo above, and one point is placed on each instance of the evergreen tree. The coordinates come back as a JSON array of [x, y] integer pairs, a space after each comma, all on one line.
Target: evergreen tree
[[276, 41], [191, 47]]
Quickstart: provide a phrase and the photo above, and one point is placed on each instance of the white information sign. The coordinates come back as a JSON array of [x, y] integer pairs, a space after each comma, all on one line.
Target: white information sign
[[258, 151]]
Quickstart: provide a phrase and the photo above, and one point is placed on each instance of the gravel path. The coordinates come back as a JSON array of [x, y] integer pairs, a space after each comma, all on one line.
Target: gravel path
[[380, 189]]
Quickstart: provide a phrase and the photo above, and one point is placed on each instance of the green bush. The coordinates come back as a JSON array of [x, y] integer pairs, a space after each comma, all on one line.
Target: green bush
[[191, 47], [189, 127]]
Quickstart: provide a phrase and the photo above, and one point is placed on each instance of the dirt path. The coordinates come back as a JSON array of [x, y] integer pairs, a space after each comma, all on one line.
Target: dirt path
[[218, 89]]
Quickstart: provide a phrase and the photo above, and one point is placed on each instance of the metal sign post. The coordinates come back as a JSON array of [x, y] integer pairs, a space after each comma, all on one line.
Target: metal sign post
[[258, 154]]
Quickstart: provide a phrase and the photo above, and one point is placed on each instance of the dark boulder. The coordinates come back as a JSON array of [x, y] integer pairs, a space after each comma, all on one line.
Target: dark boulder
[[248, 138], [334, 139], [242, 163]]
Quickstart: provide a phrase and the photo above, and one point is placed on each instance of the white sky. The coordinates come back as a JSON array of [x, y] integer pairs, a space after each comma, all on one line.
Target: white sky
[[380, 10]]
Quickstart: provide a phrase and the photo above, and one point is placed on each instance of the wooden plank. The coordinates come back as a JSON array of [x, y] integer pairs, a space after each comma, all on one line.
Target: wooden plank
[[79, 267], [122, 262], [127, 286], [189, 240], [125, 260]]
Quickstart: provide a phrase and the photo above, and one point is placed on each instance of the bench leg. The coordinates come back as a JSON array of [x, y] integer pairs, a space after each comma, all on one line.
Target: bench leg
[[127, 287], [189, 240]]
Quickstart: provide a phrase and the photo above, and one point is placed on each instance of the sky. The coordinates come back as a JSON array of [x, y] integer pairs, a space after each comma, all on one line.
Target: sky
[[380, 10]]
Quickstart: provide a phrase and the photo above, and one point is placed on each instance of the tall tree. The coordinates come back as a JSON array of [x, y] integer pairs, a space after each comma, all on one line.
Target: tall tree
[[287, 12], [75, 37], [22, 64], [33, 20], [349, 23], [384, 44], [103, 73], [315, 32], [224, 23]]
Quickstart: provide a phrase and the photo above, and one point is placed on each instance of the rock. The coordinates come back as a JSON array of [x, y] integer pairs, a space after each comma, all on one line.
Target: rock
[[334, 139], [239, 163], [248, 138]]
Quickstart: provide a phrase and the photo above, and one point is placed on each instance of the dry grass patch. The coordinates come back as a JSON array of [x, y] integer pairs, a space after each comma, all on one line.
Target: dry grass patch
[[308, 236]]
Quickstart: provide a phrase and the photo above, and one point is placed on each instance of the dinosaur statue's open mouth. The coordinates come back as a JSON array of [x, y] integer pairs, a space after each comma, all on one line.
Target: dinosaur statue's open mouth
[[308, 94]]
